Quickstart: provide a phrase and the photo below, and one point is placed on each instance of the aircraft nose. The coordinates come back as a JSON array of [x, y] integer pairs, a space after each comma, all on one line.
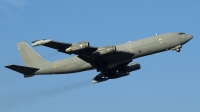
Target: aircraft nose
[[186, 38], [189, 37]]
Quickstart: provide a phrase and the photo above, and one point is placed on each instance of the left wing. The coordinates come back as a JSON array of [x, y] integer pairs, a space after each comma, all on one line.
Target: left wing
[[101, 58]]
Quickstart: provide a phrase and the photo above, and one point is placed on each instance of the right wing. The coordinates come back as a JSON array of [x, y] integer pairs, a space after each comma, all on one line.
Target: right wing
[[69, 48]]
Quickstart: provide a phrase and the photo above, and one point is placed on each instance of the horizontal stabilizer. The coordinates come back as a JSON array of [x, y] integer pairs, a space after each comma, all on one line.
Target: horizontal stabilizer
[[27, 71]]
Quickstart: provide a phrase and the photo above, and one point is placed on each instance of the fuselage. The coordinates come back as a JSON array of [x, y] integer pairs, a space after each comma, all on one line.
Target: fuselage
[[139, 48]]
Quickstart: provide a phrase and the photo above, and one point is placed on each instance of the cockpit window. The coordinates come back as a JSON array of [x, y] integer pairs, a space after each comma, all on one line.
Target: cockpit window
[[181, 33]]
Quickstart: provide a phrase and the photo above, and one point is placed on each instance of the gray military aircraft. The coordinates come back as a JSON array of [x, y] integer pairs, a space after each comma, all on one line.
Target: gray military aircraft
[[111, 61]]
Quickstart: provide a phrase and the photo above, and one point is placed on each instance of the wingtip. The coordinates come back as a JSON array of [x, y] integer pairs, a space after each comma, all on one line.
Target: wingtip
[[40, 42], [7, 66]]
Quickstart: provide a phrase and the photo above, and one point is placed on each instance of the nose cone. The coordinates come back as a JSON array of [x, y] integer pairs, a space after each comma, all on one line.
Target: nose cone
[[189, 37], [185, 38]]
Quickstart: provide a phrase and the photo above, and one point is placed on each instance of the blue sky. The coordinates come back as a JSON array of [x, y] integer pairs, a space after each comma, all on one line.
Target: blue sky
[[168, 81]]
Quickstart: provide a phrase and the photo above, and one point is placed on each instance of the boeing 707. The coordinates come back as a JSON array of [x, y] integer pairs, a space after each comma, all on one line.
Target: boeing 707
[[111, 61]]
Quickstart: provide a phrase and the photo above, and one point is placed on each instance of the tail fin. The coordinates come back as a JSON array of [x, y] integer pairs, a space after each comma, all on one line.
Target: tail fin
[[29, 56]]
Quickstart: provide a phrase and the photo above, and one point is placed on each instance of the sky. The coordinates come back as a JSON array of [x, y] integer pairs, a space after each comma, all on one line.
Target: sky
[[167, 81]]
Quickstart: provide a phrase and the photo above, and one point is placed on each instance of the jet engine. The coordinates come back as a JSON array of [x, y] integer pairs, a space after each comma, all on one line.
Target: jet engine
[[125, 71], [117, 75], [77, 47], [105, 50], [120, 73], [110, 76], [130, 68]]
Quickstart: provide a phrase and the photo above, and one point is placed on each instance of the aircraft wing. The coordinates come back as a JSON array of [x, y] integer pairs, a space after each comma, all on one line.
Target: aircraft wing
[[68, 48], [100, 57]]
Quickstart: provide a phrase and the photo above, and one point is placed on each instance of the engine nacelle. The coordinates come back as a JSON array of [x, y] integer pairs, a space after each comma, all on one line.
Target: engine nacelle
[[105, 50], [117, 75], [77, 47], [130, 67], [125, 71], [120, 73]]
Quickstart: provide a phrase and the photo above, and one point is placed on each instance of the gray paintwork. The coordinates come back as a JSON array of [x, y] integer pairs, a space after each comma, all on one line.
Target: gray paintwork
[[136, 49]]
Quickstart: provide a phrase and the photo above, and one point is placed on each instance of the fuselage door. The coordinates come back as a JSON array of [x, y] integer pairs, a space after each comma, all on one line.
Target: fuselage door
[[160, 40]]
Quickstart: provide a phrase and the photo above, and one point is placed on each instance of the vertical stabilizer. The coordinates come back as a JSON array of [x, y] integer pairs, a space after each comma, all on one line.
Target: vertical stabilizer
[[29, 56]]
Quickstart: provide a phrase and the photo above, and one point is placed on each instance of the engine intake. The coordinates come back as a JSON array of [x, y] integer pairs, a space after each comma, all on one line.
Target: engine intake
[[77, 47], [105, 50]]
